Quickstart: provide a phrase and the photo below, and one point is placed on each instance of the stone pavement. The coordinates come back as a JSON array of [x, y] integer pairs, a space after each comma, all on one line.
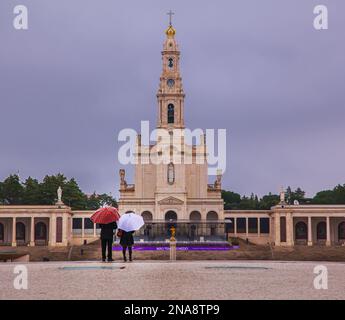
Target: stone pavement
[[173, 280]]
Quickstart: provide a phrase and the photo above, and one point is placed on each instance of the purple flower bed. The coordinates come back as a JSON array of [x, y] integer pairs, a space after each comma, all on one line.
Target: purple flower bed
[[181, 247]]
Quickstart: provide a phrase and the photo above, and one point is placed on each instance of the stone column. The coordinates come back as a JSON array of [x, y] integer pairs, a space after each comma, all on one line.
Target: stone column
[[259, 227], [277, 229], [14, 221], [289, 229], [82, 228], [52, 230], [328, 231], [94, 230], [310, 234], [235, 226], [64, 230], [32, 232]]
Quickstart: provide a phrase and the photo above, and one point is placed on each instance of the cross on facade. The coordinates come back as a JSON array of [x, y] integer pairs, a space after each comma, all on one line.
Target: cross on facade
[[170, 14]]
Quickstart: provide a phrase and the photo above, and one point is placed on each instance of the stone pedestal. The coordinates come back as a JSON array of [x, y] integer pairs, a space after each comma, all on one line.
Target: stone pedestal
[[172, 250]]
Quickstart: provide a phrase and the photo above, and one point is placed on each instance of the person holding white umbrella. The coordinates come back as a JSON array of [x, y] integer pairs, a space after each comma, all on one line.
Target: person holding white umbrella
[[127, 225]]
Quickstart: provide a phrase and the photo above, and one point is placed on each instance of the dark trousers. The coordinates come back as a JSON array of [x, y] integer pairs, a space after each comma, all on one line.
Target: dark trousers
[[124, 248], [107, 243]]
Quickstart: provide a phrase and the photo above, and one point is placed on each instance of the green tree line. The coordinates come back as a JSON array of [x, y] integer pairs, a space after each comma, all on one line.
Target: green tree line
[[235, 201], [32, 192]]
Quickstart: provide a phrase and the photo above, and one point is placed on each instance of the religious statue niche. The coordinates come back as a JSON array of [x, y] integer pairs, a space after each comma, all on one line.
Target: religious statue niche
[[171, 173]]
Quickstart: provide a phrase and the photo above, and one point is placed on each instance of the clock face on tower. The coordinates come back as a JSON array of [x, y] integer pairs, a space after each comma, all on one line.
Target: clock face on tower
[[170, 83]]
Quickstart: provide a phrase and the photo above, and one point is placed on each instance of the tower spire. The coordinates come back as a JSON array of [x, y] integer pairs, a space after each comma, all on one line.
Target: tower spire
[[170, 93], [170, 14]]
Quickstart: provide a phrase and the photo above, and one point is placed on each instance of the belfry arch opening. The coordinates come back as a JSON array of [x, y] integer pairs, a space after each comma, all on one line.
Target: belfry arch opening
[[171, 113]]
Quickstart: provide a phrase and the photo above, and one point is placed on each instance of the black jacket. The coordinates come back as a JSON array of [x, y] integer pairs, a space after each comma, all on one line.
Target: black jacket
[[127, 238], [107, 230]]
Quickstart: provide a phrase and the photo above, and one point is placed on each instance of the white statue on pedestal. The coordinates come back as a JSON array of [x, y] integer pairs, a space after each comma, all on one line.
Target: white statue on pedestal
[[59, 194]]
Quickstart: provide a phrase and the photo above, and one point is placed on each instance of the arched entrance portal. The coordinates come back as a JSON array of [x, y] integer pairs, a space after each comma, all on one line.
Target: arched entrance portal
[[195, 218], [301, 231], [147, 230], [147, 216], [212, 216], [171, 218]]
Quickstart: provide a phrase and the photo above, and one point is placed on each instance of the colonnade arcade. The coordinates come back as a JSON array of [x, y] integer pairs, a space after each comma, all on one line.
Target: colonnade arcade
[[34, 225]]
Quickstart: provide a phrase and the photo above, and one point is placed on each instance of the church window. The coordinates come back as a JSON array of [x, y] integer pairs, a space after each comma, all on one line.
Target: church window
[[171, 173], [171, 116], [170, 62]]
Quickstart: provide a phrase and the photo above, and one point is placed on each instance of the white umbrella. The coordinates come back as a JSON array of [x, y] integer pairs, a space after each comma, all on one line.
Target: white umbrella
[[130, 222]]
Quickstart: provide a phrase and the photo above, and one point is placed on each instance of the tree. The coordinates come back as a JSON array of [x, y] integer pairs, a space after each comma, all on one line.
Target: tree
[[105, 199], [12, 190], [96, 201], [92, 202], [49, 188], [268, 201], [231, 199], [339, 194], [298, 195], [32, 192], [324, 197], [73, 196], [2, 197]]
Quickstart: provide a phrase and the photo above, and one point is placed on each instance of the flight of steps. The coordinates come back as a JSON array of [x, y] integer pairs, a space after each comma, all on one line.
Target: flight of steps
[[88, 252], [92, 252], [42, 253]]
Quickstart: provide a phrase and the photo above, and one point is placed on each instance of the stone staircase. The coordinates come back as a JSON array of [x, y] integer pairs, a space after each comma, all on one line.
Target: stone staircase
[[88, 252], [247, 251], [40, 253]]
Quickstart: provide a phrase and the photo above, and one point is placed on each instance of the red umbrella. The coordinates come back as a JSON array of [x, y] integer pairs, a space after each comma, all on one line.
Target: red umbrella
[[105, 215]]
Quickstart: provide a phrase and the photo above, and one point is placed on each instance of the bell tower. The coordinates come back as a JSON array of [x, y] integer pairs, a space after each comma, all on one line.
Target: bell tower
[[170, 93]]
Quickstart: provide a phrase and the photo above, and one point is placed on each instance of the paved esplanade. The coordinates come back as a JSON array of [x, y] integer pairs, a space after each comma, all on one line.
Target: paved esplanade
[[178, 280]]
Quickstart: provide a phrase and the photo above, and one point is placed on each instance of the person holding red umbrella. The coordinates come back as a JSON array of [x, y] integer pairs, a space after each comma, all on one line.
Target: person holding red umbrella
[[106, 217]]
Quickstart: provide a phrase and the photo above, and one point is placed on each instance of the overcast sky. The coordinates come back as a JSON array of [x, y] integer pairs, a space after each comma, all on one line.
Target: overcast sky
[[85, 69]]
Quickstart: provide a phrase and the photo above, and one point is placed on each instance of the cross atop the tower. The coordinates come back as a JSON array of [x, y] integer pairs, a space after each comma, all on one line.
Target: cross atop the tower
[[170, 14]]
